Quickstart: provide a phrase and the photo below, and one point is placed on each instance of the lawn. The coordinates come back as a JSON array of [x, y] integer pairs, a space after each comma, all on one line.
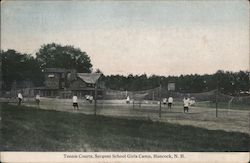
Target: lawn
[[221, 105], [30, 129]]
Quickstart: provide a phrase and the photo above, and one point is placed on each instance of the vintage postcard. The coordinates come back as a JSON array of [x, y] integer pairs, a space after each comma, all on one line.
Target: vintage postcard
[[124, 81]]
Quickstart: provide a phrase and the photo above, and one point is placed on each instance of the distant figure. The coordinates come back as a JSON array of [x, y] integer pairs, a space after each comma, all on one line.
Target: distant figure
[[75, 104], [87, 97], [186, 104], [37, 98], [20, 98], [128, 100], [170, 102], [90, 99], [164, 101], [192, 102]]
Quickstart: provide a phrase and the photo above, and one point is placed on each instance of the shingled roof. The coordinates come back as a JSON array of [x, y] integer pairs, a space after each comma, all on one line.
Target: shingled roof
[[90, 78], [56, 70]]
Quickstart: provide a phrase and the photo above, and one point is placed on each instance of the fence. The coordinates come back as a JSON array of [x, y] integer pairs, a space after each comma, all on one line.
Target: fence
[[155, 94], [209, 101], [233, 111]]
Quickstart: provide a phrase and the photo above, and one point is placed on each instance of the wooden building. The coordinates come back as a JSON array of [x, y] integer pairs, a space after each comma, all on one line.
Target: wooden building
[[85, 83], [64, 83]]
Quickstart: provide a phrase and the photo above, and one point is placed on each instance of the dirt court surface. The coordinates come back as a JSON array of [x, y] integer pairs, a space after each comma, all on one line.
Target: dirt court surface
[[227, 120]]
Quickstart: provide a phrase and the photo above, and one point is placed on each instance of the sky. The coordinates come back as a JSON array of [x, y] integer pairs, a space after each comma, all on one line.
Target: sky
[[136, 37]]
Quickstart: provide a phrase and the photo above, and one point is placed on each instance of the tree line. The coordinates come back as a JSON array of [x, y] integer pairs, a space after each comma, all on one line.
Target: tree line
[[25, 67], [227, 82]]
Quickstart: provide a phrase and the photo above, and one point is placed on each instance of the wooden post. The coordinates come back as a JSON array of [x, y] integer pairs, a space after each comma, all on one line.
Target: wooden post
[[1, 81], [95, 97], [160, 102], [217, 94], [133, 100], [133, 103]]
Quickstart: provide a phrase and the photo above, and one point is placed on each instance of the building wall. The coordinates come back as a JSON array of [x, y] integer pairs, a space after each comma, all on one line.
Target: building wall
[[64, 85], [52, 82], [77, 84], [47, 92]]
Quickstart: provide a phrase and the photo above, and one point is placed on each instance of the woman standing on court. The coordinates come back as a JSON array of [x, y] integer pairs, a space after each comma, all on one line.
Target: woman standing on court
[[186, 103], [20, 98], [75, 104], [37, 98]]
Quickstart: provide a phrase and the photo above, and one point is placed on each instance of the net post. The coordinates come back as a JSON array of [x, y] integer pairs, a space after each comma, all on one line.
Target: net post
[[160, 103], [216, 103], [95, 98], [133, 100]]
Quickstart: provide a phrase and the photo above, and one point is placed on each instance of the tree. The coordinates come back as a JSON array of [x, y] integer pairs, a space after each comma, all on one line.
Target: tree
[[55, 55], [228, 82], [98, 71], [19, 67]]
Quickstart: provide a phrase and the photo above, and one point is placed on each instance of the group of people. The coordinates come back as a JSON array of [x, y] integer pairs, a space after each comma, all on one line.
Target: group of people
[[37, 100], [186, 103], [170, 101], [20, 98], [75, 102]]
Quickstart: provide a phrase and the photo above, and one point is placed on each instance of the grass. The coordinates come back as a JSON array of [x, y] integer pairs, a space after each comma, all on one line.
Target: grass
[[30, 129], [223, 105]]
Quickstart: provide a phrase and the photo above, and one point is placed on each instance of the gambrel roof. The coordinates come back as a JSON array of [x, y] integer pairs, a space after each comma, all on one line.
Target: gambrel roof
[[90, 78]]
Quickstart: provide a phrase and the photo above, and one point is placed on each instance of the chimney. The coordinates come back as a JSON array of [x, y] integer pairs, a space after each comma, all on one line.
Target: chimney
[[73, 75]]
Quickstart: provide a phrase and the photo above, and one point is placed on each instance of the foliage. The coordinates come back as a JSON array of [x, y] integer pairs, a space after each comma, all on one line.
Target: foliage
[[55, 55], [19, 67], [24, 67], [228, 82]]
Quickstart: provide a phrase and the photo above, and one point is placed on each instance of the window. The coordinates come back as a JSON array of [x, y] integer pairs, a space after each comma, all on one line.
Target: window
[[51, 75]]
